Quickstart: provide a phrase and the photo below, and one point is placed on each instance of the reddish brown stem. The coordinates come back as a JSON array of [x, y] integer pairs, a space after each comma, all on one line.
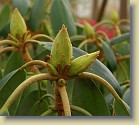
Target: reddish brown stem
[[27, 58], [58, 100]]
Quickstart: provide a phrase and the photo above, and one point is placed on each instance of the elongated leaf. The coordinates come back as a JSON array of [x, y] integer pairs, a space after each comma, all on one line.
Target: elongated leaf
[[14, 62], [9, 83], [121, 109], [21, 5], [37, 14], [28, 103], [61, 14], [4, 16], [126, 96], [97, 67], [26, 92], [109, 99], [13, 108], [38, 108], [110, 57], [88, 96], [121, 38], [122, 72], [5, 30], [1, 74]]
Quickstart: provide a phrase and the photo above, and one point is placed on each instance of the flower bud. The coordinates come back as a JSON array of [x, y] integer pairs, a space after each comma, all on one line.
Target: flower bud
[[88, 29], [61, 52], [18, 26], [81, 63], [114, 16]]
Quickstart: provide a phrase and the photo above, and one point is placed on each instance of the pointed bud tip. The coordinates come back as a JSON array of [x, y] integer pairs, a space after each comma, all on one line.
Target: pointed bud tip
[[64, 27], [16, 11], [97, 53], [17, 26]]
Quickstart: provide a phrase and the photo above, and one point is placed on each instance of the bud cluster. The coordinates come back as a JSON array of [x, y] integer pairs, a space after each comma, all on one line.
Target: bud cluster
[[61, 56]]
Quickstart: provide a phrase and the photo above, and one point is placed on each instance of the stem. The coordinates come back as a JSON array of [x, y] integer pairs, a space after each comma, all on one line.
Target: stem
[[103, 82], [85, 42], [81, 110], [10, 42], [102, 33], [77, 37], [65, 100], [117, 30], [48, 95], [7, 49], [58, 100], [104, 22], [42, 36], [122, 58], [13, 38], [30, 41], [126, 82], [27, 58], [24, 85], [123, 21], [86, 47], [48, 112], [34, 62]]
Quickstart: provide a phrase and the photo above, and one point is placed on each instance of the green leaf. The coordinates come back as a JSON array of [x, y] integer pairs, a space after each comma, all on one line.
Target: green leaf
[[21, 5], [5, 31], [25, 93], [13, 108], [1, 75], [97, 67], [4, 16], [80, 28], [38, 108], [87, 95], [14, 62], [122, 72], [37, 14], [110, 56], [28, 102], [126, 96], [121, 109], [9, 83], [121, 38], [40, 53], [60, 14], [109, 100], [100, 69]]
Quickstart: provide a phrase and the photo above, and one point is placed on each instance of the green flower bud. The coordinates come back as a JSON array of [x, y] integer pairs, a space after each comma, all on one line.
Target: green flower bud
[[88, 29], [18, 26], [81, 63], [115, 16], [61, 52]]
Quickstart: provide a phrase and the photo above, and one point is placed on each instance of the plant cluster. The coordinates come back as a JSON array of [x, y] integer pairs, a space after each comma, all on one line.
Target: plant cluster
[[47, 73]]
